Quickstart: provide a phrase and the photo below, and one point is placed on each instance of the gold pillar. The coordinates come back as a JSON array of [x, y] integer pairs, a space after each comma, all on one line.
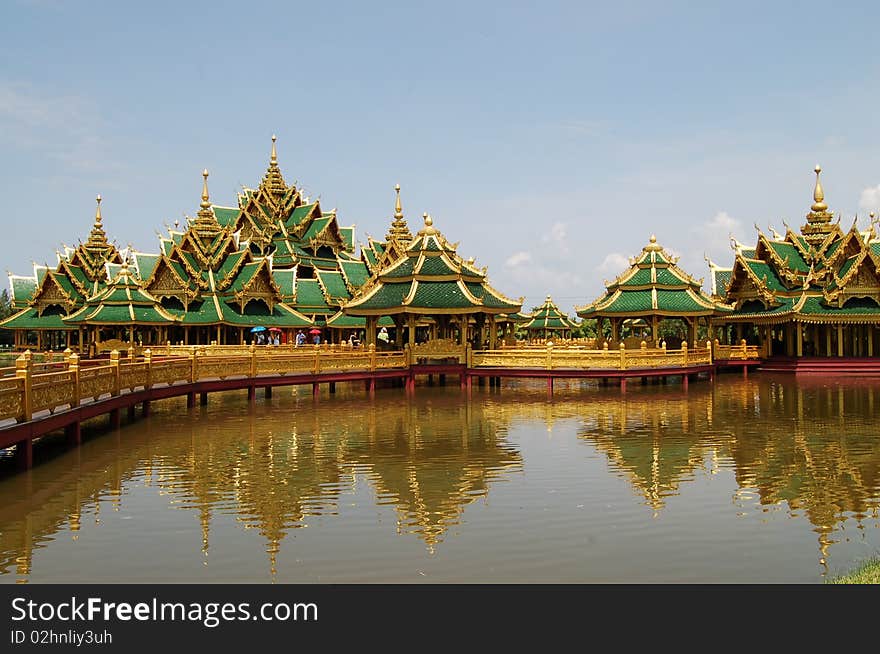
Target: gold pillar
[[840, 340], [371, 329], [799, 343], [827, 329], [411, 328], [870, 340], [493, 333], [654, 324]]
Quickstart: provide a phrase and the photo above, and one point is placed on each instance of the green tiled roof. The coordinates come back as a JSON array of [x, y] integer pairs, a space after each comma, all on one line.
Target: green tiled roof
[[318, 225], [334, 284], [402, 268], [286, 281], [813, 305], [297, 215], [680, 302], [722, 279], [355, 272], [489, 296], [309, 295], [436, 295], [435, 266], [795, 260], [145, 263], [765, 272], [386, 297], [22, 288], [347, 234], [548, 316], [226, 216], [28, 319], [342, 321]]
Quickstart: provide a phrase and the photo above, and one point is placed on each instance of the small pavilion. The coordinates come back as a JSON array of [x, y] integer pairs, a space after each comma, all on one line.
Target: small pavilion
[[548, 320], [653, 288], [432, 285]]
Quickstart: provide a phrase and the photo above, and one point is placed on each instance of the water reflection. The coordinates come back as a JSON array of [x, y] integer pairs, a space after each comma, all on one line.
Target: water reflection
[[810, 448]]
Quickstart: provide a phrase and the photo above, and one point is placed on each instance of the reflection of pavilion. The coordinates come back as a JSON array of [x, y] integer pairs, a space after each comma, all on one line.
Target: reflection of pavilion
[[431, 462], [658, 442]]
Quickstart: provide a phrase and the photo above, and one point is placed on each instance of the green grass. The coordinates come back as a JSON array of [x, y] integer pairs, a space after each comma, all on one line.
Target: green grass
[[867, 573]]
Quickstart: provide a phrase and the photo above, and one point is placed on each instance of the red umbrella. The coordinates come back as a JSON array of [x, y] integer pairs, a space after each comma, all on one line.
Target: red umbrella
[[314, 330], [274, 329]]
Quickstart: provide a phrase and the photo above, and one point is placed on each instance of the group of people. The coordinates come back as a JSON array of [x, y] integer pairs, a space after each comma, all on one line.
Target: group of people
[[272, 337], [267, 338]]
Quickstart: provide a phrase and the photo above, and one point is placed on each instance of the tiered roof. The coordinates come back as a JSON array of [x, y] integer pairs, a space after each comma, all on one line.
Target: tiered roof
[[653, 285], [55, 292], [548, 317], [430, 278], [822, 274]]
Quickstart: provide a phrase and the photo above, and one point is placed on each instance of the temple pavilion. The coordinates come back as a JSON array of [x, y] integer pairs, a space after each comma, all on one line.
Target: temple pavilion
[[653, 288], [548, 320], [429, 283], [815, 292], [277, 259]]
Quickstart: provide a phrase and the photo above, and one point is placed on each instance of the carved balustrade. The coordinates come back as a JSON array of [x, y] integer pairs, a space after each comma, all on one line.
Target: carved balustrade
[[11, 397]]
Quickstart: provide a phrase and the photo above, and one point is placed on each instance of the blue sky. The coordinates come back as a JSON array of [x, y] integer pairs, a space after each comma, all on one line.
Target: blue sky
[[549, 139]]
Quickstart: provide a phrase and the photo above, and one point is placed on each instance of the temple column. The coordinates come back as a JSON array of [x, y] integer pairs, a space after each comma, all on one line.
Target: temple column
[[870, 340], [839, 340], [411, 328], [739, 333], [615, 330], [799, 343], [654, 324], [371, 329], [827, 330], [493, 333]]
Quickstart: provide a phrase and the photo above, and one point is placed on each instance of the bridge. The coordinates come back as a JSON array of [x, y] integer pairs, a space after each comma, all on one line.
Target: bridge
[[63, 391]]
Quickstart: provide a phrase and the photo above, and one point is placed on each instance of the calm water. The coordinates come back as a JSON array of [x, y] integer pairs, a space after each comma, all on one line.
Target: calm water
[[748, 480]]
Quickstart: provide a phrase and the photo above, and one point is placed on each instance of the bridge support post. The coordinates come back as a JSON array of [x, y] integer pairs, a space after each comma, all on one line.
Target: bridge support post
[[115, 419], [745, 371], [462, 379], [550, 386], [190, 400], [442, 379], [371, 388], [332, 387], [203, 399], [316, 390], [146, 408], [24, 454], [73, 433], [267, 392], [131, 412], [684, 381], [252, 395], [623, 384]]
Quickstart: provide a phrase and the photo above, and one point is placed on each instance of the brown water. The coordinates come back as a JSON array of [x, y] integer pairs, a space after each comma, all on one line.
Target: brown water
[[748, 480]]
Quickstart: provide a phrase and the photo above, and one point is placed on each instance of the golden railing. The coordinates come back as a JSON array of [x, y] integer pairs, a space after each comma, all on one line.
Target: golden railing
[[574, 358], [741, 352], [38, 387]]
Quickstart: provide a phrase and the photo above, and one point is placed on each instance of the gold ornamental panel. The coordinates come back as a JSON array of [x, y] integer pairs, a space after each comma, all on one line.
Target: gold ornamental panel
[[52, 390], [390, 360], [282, 364], [95, 382], [11, 400], [344, 361], [223, 366], [132, 375], [168, 372]]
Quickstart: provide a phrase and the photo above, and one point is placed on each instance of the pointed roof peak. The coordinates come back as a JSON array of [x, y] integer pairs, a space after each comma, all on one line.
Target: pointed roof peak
[[205, 223], [273, 181], [818, 192]]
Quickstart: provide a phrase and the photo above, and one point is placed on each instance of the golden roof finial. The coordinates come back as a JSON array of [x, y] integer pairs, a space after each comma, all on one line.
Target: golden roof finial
[[206, 204], [428, 220], [818, 193], [653, 238], [398, 210], [273, 158], [98, 211]]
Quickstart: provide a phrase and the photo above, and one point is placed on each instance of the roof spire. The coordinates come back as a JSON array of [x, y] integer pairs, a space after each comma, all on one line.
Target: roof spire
[[398, 210], [273, 182], [206, 204], [206, 223], [399, 232], [818, 193], [98, 212]]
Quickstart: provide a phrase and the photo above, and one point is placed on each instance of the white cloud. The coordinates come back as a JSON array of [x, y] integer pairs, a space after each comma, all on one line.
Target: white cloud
[[557, 236], [870, 199], [518, 259], [613, 263]]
